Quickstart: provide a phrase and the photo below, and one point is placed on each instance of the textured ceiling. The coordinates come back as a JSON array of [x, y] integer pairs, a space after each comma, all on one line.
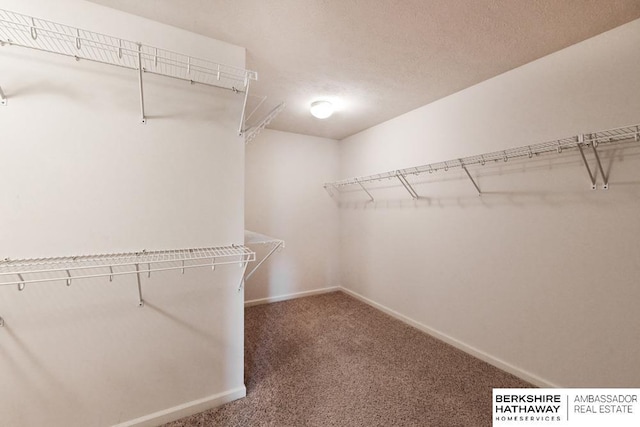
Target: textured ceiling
[[378, 59]]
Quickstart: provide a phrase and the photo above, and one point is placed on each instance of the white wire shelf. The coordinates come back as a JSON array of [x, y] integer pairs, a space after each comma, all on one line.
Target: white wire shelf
[[23, 272], [253, 238], [576, 143], [34, 33], [27, 271]]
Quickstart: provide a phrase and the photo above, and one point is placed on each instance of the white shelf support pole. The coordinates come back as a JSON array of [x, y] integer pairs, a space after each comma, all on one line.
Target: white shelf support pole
[[3, 98], [140, 300], [264, 98], [473, 181], [275, 248], [140, 71], [592, 176], [244, 106], [250, 133], [605, 179], [244, 269], [365, 190], [406, 185]]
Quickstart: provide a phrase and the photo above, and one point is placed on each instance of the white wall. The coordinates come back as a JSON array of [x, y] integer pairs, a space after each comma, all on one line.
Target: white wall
[[284, 174], [81, 175], [540, 274]]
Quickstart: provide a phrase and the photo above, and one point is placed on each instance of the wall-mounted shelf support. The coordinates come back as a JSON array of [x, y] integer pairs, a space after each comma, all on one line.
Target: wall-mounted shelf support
[[593, 176], [365, 190], [605, 178], [140, 300], [255, 238], [256, 108], [620, 135], [40, 270], [3, 98], [406, 185], [327, 188], [473, 181], [252, 131], [252, 238], [244, 270], [244, 106], [140, 71]]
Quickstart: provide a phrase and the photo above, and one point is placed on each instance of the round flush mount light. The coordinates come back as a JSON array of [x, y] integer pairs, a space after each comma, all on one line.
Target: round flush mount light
[[321, 109]]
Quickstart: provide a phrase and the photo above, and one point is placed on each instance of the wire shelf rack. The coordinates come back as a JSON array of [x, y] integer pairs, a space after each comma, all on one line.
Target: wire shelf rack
[[26, 271], [22, 272], [39, 34], [576, 143], [26, 31]]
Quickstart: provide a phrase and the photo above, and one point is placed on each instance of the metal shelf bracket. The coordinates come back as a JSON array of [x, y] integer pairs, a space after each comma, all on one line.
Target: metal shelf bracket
[[406, 185], [593, 176], [327, 188], [605, 178], [470, 177], [244, 106], [140, 300], [365, 190], [251, 132], [242, 278], [277, 246], [251, 237], [140, 71]]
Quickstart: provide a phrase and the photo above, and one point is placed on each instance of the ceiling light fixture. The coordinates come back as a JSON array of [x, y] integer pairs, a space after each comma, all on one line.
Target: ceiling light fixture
[[321, 109]]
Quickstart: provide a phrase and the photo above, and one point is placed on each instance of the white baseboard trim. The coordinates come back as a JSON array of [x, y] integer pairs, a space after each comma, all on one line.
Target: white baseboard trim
[[186, 409], [498, 363], [278, 298]]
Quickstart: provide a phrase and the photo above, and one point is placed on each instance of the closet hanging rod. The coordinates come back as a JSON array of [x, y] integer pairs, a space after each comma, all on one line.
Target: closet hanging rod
[[18, 271], [609, 136], [39, 34]]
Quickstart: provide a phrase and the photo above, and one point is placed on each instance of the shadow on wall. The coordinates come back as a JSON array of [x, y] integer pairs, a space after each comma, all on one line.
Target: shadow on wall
[[30, 366]]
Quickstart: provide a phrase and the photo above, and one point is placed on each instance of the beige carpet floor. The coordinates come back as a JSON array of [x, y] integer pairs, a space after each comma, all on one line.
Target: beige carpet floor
[[331, 360]]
